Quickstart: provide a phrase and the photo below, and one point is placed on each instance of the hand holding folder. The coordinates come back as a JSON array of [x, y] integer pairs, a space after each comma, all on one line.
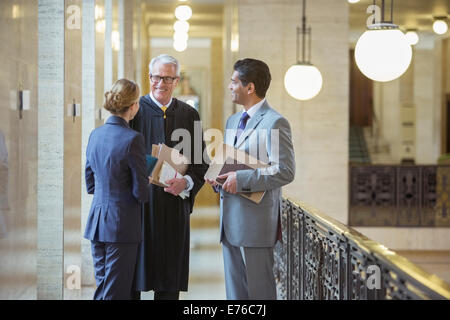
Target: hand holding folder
[[229, 159], [166, 163]]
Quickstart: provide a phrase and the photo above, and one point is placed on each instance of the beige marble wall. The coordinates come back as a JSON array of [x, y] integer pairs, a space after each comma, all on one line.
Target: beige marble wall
[[18, 207], [410, 238], [267, 31], [423, 97], [72, 145]]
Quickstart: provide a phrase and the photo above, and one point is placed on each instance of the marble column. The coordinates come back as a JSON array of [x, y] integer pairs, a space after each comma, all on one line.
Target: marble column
[[125, 66], [108, 52], [267, 31], [88, 124], [230, 40], [137, 26], [50, 273], [423, 96], [121, 53]]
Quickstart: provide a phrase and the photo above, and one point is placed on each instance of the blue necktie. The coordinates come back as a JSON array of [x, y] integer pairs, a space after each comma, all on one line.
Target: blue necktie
[[241, 126]]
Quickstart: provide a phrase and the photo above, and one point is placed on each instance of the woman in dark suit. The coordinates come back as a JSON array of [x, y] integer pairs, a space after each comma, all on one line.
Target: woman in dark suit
[[116, 175]]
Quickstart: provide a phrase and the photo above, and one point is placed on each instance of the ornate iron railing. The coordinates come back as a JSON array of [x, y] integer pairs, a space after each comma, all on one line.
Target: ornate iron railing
[[399, 195], [320, 258]]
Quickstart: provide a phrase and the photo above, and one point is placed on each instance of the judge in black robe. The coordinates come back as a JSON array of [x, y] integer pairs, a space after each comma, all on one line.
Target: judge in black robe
[[163, 256]]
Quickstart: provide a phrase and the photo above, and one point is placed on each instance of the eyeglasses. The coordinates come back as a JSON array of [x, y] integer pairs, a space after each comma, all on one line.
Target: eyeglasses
[[166, 80]]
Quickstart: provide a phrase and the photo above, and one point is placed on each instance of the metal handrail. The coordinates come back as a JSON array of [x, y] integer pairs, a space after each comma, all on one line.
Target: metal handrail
[[335, 267]]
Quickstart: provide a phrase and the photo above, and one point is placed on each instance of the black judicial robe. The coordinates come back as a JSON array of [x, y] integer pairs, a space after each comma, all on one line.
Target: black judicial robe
[[163, 255]]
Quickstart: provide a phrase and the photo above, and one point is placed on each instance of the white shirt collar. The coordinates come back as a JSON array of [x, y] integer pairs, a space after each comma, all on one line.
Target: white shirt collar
[[251, 112], [157, 102]]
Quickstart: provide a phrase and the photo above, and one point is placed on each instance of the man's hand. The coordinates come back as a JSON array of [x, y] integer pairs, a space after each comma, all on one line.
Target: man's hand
[[176, 186], [231, 183]]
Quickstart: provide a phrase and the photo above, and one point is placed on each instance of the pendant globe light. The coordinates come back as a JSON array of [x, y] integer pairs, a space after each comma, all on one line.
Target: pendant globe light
[[439, 25], [383, 53], [303, 81]]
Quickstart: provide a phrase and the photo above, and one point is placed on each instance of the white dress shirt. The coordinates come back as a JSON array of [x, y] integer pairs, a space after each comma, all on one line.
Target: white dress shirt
[[251, 112]]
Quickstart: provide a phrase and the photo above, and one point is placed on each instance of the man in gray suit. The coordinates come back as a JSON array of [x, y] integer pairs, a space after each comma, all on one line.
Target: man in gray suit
[[249, 230]]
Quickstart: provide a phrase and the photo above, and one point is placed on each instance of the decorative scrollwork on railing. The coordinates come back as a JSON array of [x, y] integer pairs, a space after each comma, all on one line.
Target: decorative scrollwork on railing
[[322, 259], [414, 196]]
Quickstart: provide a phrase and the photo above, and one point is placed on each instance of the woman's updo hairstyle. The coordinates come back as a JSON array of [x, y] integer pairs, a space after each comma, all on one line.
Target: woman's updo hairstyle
[[123, 94]]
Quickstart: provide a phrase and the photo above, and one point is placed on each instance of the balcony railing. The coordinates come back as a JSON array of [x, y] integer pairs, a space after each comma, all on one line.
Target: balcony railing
[[322, 259], [399, 195]]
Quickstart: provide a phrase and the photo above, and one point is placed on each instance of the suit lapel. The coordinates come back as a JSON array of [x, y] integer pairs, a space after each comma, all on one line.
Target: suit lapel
[[252, 124]]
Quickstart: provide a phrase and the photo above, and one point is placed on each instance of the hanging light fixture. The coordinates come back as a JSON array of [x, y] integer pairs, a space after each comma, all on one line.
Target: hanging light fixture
[[412, 37], [183, 12], [180, 46], [439, 25], [303, 80], [383, 53], [181, 26]]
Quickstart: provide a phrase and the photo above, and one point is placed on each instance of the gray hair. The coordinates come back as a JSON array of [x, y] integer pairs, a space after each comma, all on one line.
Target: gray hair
[[164, 59]]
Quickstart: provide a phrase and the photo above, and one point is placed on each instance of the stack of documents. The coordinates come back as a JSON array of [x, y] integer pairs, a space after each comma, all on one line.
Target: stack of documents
[[228, 159], [166, 163]]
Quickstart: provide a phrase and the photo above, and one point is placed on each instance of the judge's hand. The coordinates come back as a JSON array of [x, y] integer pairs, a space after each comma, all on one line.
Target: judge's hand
[[211, 182], [231, 183], [176, 186], [150, 179]]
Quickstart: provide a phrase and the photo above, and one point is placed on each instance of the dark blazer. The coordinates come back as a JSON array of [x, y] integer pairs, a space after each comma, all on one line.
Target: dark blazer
[[116, 175]]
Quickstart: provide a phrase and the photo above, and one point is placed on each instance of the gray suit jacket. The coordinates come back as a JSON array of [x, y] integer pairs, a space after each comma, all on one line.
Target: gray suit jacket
[[244, 222]]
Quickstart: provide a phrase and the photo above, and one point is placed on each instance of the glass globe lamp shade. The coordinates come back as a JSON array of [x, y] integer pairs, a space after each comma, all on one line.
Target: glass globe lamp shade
[[180, 36], [179, 45], [353, 1], [181, 26], [412, 38], [303, 81], [183, 12], [383, 55], [440, 27]]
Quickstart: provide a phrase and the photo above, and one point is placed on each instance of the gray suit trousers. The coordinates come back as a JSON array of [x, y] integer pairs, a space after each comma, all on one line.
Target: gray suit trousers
[[248, 272]]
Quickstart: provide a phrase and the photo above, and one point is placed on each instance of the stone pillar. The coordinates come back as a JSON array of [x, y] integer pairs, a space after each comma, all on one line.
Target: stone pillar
[[121, 53], [216, 113], [319, 126], [50, 272], [72, 146], [145, 53], [88, 124], [125, 66], [108, 52], [230, 40], [137, 43], [407, 121], [424, 82]]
